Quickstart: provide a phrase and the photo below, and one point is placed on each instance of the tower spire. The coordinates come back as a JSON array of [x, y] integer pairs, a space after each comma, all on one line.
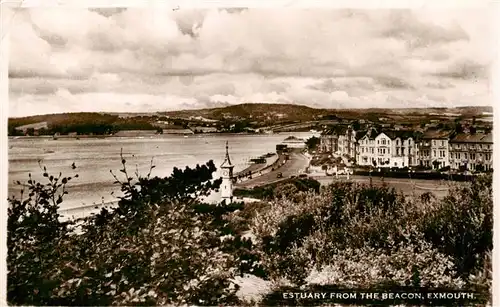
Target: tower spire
[[227, 160]]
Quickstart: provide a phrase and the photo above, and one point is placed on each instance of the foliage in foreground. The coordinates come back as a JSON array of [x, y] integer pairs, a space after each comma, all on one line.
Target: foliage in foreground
[[161, 245], [294, 187], [353, 235]]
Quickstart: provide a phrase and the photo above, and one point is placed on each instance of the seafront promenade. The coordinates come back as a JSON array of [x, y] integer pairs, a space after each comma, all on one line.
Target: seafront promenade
[[264, 173], [295, 164]]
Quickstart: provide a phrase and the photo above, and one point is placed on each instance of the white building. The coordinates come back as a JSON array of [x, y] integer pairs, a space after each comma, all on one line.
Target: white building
[[226, 188], [367, 151], [387, 149], [293, 142], [433, 148]]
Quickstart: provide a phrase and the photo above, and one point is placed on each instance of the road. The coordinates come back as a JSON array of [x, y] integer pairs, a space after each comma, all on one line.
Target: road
[[258, 166], [294, 166]]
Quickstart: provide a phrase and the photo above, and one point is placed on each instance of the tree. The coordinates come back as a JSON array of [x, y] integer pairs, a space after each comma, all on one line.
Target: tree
[[30, 131], [312, 143], [356, 125], [12, 131]]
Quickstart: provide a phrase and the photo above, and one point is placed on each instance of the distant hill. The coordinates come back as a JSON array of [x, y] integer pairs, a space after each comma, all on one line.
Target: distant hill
[[251, 112], [82, 123], [292, 112], [254, 111]]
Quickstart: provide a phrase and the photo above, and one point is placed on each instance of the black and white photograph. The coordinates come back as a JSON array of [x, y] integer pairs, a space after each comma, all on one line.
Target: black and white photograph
[[249, 156]]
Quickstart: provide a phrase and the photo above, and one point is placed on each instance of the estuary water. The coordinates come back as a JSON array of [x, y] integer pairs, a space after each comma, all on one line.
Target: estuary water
[[94, 158]]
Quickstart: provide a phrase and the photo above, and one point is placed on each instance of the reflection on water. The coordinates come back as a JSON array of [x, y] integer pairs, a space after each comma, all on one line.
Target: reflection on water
[[95, 158]]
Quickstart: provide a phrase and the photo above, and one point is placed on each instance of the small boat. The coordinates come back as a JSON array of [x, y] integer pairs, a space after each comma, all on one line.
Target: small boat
[[185, 136]]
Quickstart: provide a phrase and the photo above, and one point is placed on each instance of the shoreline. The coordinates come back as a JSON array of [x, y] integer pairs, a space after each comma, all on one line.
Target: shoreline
[[84, 136]]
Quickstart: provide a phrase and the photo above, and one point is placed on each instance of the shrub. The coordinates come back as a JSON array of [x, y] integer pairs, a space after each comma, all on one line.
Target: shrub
[[33, 234], [461, 225], [159, 246], [289, 187], [349, 229], [416, 264]]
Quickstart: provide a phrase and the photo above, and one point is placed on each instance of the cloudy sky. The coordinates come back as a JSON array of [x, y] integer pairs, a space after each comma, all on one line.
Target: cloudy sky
[[139, 60]]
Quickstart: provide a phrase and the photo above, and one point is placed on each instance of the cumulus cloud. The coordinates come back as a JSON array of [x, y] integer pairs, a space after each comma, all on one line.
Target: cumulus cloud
[[152, 60]]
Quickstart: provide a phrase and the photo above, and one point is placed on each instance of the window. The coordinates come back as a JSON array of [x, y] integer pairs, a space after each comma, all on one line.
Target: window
[[434, 153], [434, 142], [397, 151], [442, 143], [465, 155]]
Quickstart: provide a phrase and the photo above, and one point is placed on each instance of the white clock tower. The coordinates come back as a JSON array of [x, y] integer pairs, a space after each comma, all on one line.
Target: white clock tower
[[227, 177]]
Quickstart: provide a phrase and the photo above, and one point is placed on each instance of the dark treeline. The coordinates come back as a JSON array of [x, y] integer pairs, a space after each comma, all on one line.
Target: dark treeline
[[80, 123]]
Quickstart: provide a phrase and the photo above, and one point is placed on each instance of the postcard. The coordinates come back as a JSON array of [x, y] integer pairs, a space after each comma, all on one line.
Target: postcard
[[248, 154]]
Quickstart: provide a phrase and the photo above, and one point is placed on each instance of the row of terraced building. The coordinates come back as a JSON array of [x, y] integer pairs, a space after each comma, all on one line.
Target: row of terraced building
[[403, 148]]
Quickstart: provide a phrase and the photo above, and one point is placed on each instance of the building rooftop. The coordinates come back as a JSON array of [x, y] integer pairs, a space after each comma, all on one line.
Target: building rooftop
[[293, 139], [360, 134], [372, 133], [337, 130], [402, 134], [473, 138], [437, 134]]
